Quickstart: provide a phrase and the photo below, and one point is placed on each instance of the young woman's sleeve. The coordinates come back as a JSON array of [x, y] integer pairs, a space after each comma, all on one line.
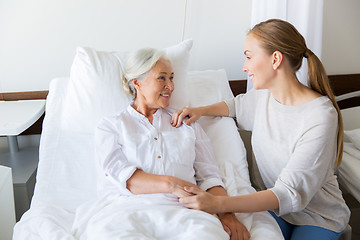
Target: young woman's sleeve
[[243, 108]]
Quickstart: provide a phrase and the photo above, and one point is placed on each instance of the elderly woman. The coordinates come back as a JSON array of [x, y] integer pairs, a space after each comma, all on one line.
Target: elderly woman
[[143, 157]]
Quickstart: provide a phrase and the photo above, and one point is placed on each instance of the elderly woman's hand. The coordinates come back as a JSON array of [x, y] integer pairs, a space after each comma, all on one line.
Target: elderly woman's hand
[[235, 229], [178, 116]]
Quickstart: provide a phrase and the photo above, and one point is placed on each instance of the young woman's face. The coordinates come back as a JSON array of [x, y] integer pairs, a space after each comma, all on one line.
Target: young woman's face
[[157, 87], [258, 63]]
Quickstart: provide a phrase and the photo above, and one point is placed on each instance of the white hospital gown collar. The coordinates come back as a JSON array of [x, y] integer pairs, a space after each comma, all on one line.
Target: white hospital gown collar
[[138, 115]]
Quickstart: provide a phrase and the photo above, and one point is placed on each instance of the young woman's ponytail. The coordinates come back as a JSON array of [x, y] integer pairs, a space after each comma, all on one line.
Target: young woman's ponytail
[[319, 82]]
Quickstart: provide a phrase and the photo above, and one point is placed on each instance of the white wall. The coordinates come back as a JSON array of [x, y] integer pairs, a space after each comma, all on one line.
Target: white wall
[[341, 36], [219, 29]]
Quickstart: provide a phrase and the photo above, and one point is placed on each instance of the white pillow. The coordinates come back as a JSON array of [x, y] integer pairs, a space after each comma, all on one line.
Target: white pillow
[[229, 150], [95, 89], [179, 56], [353, 136], [208, 87], [212, 86]]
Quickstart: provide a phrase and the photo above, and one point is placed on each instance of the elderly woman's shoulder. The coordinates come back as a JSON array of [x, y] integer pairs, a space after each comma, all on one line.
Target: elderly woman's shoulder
[[119, 114], [114, 117]]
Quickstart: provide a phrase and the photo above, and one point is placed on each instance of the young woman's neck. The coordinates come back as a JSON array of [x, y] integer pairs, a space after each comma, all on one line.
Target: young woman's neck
[[288, 90]]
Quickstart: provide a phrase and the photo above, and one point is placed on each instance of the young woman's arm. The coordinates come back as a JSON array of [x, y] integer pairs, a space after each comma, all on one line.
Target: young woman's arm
[[217, 109], [254, 202]]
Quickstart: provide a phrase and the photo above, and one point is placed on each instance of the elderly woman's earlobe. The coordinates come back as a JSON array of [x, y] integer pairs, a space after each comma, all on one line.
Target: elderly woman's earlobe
[[135, 82]]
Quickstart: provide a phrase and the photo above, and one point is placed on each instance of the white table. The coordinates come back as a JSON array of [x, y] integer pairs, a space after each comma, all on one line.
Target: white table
[[16, 117]]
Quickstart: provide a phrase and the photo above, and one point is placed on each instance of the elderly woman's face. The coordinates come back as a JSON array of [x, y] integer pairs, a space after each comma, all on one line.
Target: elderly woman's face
[[157, 87]]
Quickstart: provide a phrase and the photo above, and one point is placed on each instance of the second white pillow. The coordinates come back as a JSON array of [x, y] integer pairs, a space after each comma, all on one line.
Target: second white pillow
[[208, 87]]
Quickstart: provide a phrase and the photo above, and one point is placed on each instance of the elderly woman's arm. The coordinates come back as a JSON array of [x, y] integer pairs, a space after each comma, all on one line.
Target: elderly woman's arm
[[141, 183]]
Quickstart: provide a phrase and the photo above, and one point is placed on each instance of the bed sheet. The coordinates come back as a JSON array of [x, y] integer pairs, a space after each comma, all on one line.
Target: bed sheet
[[66, 175], [349, 175]]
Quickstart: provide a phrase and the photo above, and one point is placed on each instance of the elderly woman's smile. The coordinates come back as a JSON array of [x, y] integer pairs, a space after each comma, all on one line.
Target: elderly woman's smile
[[167, 94]]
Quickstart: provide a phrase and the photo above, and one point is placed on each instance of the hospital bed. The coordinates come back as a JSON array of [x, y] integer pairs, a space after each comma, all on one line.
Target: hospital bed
[[349, 102], [67, 173], [347, 89]]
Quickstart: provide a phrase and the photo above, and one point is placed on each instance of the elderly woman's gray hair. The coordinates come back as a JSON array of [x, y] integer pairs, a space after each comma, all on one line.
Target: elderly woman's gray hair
[[138, 64]]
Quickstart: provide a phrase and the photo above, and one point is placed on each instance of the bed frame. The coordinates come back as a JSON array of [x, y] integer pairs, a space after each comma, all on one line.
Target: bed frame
[[347, 85]]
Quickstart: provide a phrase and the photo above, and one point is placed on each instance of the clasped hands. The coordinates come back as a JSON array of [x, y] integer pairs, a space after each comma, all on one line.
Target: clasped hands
[[191, 196]]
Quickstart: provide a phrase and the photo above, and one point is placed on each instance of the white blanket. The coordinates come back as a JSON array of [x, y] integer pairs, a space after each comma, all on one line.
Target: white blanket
[[45, 221], [155, 216]]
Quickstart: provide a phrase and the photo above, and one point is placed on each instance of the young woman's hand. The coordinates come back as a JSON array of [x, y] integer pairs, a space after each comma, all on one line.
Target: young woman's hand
[[176, 186], [235, 229], [201, 200], [192, 113]]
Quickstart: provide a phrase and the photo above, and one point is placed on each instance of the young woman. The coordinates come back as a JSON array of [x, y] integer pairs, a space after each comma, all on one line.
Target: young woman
[[297, 137]]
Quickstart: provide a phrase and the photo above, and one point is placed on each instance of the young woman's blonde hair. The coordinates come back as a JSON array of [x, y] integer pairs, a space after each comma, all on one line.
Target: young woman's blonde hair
[[279, 35], [137, 65]]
